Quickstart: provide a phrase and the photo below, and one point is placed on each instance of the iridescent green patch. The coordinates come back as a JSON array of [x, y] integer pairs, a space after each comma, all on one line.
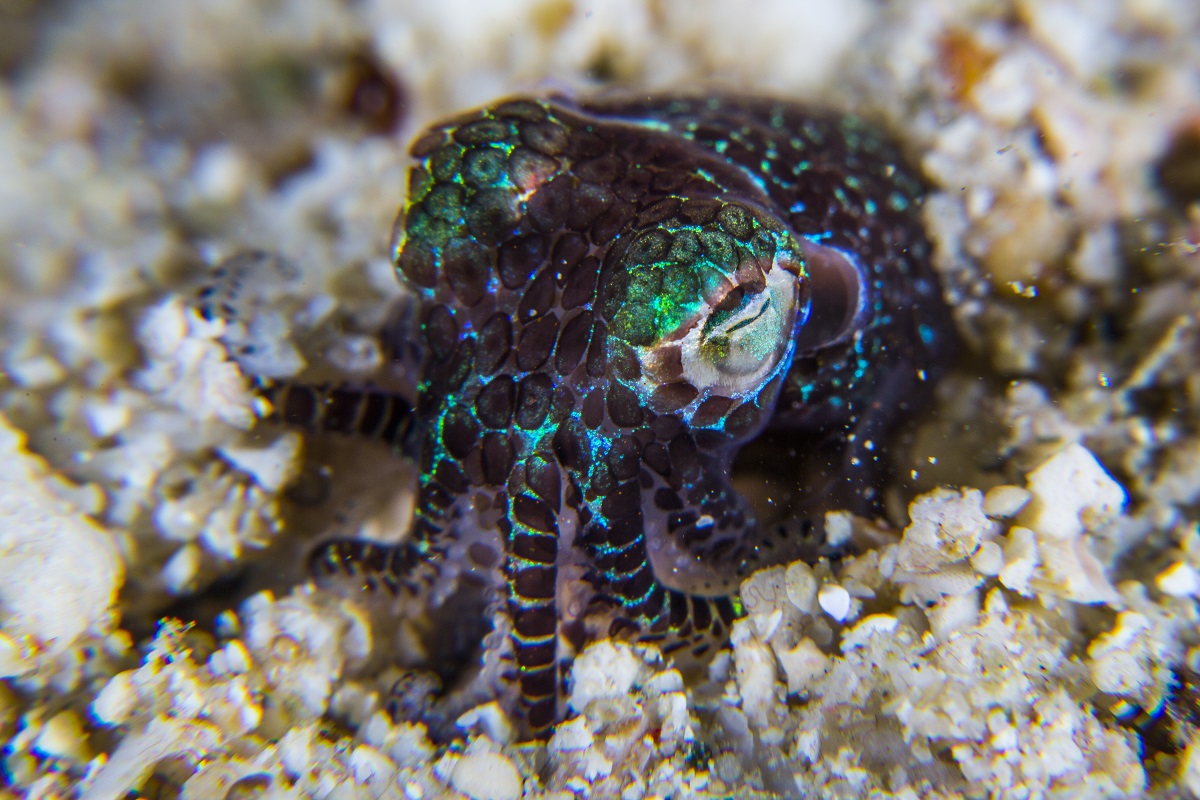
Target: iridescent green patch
[[669, 273]]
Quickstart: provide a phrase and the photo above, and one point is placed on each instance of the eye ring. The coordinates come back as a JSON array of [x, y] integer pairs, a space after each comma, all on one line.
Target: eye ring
[[745, 334], [705, 310]]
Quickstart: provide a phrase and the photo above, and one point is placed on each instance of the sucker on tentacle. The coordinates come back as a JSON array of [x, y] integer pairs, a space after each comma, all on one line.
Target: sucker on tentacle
[[613, 296]]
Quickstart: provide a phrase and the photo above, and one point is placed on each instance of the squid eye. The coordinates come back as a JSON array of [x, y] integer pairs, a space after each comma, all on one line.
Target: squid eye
[[745, 335]]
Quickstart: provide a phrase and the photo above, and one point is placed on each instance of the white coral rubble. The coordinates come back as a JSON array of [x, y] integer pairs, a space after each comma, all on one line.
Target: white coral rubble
[[59, 571], [996, 645]]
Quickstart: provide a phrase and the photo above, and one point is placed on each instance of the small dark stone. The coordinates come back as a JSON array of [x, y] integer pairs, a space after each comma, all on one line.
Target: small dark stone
[[374, 94], [626, 365], [569, 249], [743, 420], [533, 655], [624, 531], [667, 500], [527, 170], [418, 265], [526, 110], [597, 357], [656, 457], [483, 166], [612, 222], [684, 456], [593, 409]]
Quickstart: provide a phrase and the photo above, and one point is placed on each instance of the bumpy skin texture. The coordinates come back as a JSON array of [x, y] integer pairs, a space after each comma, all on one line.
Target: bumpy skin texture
[[614, 296]]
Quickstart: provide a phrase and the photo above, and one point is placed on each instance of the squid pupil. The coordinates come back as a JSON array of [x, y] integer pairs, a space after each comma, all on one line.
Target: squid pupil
[[766, 304]]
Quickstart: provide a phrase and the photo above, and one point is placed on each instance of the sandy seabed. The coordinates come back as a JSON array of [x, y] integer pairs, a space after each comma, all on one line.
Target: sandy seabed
[[1026, 627]]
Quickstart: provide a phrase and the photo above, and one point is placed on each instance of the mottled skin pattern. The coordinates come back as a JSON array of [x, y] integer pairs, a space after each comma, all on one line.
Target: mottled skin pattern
[[614, 296]]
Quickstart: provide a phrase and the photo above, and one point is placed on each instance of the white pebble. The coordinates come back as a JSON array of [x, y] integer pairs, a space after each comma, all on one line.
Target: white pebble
[[1020, 560], [486, 776], [801, 584], [59, 570], [489, 719], [756, 674], [1117, 662], [572, 736], [232, 659], [634, 791], [803, 664], [952, 579], [1071, 493], [953, 614], [664, 682], [1179, 580], [839, 528], [1097, 258], [765, 625], [763, 591], [33, 372], [105, 419], [988, 559], [605, 670], [857, 636], [1190, 768], [181, 568], [370, 765], [117, 700], [220, 173], [834, 600], [355, 354], [272, 466], [296, 750], [62, 737], [14, 659], [946, 526], [1005, 501]]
